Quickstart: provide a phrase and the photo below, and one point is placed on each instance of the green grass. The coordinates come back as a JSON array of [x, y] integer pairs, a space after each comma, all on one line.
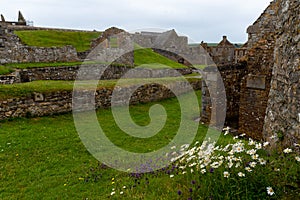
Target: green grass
[[48, 38], [40, 65], [144, 58], [149, 59], [39, 156], [26, 89], [4, 70], [54, 64], [47, 86], [43, 158]]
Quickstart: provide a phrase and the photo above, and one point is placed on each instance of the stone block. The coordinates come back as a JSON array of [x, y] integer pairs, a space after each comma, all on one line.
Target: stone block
[[256, 82]]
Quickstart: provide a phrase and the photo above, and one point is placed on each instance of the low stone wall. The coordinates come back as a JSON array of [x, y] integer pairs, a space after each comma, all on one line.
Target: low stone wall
[[30, 54], [112, 72], [12, 50], [7, 79], [42, 104]]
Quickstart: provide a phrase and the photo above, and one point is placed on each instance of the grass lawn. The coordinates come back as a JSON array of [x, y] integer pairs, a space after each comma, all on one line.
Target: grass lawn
[[43, 158], [5, 70], [47, 86], [48, 38], [145, 58], [150, 59], [37, 65]]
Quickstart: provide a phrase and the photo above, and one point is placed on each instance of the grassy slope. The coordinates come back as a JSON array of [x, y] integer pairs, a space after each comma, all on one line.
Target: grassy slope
[[44, 38], [148, 58], [81, 41]]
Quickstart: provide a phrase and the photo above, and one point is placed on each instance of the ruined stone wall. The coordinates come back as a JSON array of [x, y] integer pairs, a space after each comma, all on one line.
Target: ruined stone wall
[[255, 87], [283, 108], [223, 53], [13, 51], [41, 104], [113, 46], [6, 80], [70, 73], [231, 76], [264, 25]]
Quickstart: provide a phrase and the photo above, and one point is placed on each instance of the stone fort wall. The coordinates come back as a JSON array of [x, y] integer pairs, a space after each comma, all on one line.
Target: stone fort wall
[[70, 73], [263, 97], [283, 106], [232, 76], [13, 51], [50, 103]]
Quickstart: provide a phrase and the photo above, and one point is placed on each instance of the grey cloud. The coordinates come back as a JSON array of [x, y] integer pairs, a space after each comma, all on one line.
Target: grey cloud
[[204, 20]]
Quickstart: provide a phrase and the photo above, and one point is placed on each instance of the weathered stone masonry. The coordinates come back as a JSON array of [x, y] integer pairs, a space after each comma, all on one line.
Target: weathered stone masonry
[[70, 73], [231, 76], [283, 107], [13, 51], [41, 104], [265, 98]]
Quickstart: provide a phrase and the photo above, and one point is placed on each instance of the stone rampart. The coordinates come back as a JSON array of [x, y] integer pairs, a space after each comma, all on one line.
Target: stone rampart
[[42, 104]]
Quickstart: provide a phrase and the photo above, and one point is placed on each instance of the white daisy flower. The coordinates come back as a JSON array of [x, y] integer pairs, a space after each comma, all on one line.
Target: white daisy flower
[[226, 174], [266, 144], [252, 164], [240, 174], [287, 150], [262, 161], [270, 191], [248, 169], [258, 146]]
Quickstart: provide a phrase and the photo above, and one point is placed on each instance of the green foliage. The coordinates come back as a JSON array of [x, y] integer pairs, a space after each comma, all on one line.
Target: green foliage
[[48, 38], [280, 135]]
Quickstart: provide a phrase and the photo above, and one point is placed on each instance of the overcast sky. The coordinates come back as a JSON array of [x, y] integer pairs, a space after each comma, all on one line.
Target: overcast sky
[[206, 20]]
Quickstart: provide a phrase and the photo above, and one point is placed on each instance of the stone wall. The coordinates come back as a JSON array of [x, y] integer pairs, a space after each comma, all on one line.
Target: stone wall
[[231, 76], [283, 108], [5, 80], [264, 25], [255, 87], [41, 104], [223, 53], [113, 46], [264, 100], [13, 51], [70, 73]]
